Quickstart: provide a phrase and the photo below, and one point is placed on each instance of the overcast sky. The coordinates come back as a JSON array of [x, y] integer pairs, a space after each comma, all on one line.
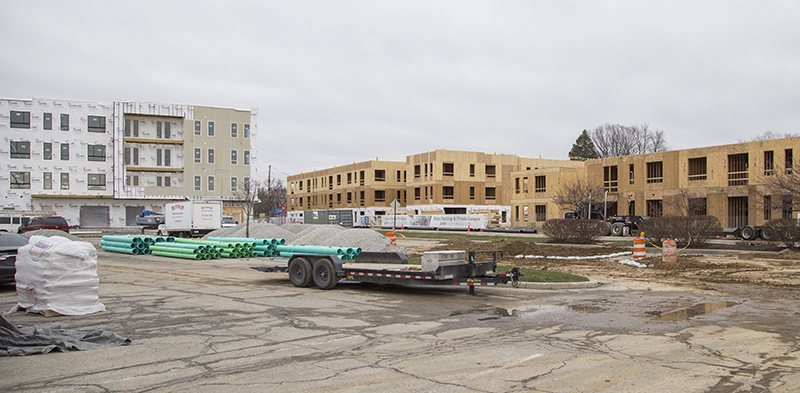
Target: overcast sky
[[337, 82]]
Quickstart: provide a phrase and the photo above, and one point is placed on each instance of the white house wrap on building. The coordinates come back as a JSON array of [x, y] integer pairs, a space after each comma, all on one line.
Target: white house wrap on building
[[100, 164]]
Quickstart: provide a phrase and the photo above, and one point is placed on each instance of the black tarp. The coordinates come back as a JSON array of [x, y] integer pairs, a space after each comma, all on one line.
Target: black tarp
[[32, 340]]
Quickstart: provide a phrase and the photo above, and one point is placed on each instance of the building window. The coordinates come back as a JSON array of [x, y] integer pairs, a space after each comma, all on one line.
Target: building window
[[417, 171], [490, 193], [97, 123], [362, 176], [788, 161], [769, 163], [20, 149], [47, 150], [472, 193], [127, 155], [20, 180], [234, 130], [96, 181], [697, 168], [490, 171], [197, 183], [380, 175], [20, 119], [632, 208], [135, 179], [198, 155], [655, 208], [380, 196], [167, 181], [448, 192], [540, 212], [210, 130], [96, 153], [349, 197], [210, 156], [540, 184], [47, 122], [65, 181], [135, 129], [65, 151], [246, 131], [246, 159], [47, 180], [234, 157], [698, 206], [737, 169], [631, 173], [471, 170], [234, 185], [198, 127], [167, 157], [786, 209], [64, 122], [211, 183], [655, 172], [362, 199], [610, 181], [447, 169], [417, 193], [767, 207]]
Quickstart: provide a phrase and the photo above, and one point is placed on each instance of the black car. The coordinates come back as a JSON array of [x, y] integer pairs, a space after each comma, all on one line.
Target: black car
[[9, 244]]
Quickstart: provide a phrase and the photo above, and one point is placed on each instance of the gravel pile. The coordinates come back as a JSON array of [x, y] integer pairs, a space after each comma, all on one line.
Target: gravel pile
[[315, 235], [312, 235], [367, 239], [52, 232], [261, 230]]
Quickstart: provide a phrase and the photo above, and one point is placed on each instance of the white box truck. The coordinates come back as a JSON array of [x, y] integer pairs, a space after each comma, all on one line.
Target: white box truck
[[191, 218]]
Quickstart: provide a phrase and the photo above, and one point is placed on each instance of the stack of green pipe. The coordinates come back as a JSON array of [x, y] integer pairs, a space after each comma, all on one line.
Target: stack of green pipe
[[227, 249], [184, 250], [263, 247], [125, 244]]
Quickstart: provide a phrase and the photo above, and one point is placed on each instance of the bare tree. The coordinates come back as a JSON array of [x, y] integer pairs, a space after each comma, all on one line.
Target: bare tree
[[576, 194], [779, 190], [247, 197], [769, 135], [612, 140]]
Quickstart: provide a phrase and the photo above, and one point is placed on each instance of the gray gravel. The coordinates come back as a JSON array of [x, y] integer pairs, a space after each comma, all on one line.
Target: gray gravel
[[313, 235]]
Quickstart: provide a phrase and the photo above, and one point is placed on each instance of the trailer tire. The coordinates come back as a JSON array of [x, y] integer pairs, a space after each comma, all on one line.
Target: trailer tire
[[300, 272], [617, 229], [748, 233], [769, 233], [606, 230], [324, 274]]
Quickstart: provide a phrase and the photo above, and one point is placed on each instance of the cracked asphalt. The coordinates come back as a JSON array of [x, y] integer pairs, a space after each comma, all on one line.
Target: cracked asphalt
[[219, 326]]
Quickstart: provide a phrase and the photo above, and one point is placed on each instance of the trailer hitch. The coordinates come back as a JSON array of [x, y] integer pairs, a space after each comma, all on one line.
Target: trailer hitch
[[515, 274]]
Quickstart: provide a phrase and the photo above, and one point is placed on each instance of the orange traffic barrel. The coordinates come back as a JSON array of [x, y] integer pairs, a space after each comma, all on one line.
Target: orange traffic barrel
[[638, 248], [669, 251]]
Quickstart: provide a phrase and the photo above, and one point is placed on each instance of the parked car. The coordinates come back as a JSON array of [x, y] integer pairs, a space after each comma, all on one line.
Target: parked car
[[9, 244], [39, 222]]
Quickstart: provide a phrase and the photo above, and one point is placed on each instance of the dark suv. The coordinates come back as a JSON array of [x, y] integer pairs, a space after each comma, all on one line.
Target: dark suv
[[52, 222]]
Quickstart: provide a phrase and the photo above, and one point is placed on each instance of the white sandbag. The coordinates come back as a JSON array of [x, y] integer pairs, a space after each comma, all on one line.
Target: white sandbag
[[58, 274]]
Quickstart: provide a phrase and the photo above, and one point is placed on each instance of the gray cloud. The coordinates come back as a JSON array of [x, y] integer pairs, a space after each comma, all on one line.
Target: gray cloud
[[344, 81]]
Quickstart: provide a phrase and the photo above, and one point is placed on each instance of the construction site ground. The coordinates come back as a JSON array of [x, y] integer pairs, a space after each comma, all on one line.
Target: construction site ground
[[722, 266]]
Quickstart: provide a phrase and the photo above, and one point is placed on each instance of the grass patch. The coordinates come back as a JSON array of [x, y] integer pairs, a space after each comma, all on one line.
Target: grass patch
[[532, 275]]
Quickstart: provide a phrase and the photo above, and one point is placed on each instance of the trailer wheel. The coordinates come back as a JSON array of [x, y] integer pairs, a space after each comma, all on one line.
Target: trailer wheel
[[768, 233], [606, 230], [300, 272], [324, 274], [617, 229], [748, 233]]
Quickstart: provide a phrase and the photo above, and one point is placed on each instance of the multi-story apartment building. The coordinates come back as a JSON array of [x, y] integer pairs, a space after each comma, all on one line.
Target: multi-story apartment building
[[358, 185], [726, 181], [101, 164], [436, 182]]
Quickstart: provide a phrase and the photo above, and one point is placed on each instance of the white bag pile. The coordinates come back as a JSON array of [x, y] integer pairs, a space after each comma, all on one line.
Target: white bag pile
[[58, 274]]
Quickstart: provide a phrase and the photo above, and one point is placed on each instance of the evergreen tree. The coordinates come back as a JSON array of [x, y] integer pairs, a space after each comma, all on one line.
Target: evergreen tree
[[583, 148]]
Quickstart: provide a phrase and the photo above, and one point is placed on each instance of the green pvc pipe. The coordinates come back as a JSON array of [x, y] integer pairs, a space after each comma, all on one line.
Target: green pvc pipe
[[116, 244], [321, 250], [205, 242], [239, 239], [126, 250], [121, 239], [179, 245], [176, 255], [176, 250]]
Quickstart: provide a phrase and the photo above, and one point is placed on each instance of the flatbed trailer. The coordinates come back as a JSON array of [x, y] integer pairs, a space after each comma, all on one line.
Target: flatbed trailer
[[325, 271]]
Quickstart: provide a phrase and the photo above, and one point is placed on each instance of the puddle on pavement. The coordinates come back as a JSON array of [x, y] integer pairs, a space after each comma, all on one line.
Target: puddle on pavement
[[684, 314]]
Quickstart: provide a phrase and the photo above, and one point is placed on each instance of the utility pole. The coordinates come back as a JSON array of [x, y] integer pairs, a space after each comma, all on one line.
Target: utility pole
[[269, 186]]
